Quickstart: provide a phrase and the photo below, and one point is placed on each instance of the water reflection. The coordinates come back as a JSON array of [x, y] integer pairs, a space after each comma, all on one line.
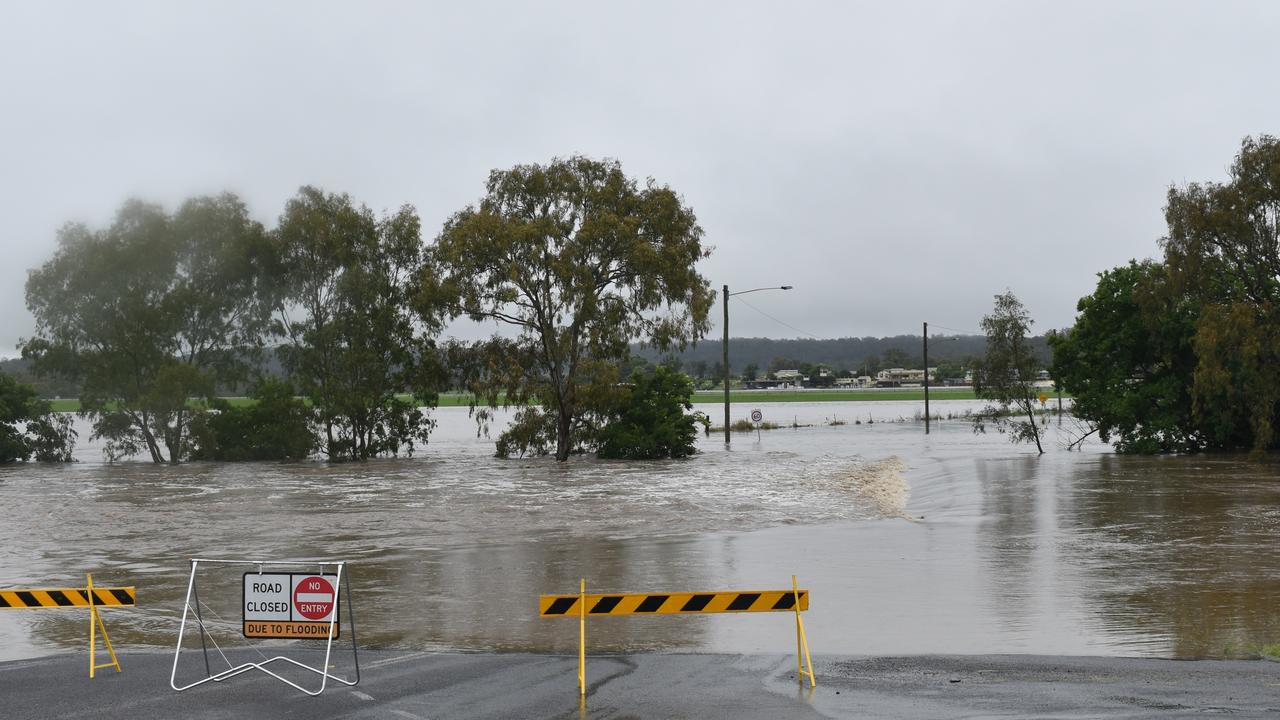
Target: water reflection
[[1011, 536], [1184, 549]]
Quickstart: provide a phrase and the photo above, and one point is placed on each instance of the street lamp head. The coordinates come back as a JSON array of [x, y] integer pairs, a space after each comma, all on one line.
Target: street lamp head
[[786, 287]]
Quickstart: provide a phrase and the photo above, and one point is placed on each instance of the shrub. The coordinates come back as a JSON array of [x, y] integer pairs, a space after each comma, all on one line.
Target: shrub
[[651, 420], [277, 426], [29, 427]]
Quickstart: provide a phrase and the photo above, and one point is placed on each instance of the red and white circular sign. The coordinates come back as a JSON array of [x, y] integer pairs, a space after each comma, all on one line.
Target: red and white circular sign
[[313, 598]]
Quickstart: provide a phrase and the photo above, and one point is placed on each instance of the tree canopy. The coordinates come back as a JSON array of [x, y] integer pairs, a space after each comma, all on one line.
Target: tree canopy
[[343, 280], [1185, 355], [652, 420], [150, 312], [1128, 361], [1006, 374], [1223, 249], [579, 260], [29, 428]]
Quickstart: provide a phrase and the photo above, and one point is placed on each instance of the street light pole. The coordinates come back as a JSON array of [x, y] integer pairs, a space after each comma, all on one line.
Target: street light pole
[[725, 349]]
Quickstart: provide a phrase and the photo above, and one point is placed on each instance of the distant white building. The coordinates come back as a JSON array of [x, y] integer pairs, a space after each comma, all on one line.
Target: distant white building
[[897, 377], [789, 378]]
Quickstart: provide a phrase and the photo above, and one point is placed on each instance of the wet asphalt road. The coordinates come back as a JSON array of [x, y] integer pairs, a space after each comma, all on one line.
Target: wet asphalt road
[[456, 685]]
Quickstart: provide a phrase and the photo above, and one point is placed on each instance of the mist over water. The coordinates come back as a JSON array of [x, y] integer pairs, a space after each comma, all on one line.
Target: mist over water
[[953, 542]]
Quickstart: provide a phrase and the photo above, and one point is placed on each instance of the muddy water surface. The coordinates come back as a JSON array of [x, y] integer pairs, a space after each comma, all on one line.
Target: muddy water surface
[[953, 542]]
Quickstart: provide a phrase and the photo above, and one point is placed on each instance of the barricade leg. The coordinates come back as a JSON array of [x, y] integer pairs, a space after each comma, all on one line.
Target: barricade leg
[[582, 638], [95, 623], [802, 641]]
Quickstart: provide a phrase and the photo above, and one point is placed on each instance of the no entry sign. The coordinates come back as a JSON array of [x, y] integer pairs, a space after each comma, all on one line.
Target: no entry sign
[[289, 605], [313, 597]]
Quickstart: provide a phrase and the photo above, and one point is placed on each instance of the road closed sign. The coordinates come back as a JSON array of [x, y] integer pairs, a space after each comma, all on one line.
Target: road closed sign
[[290, 605]]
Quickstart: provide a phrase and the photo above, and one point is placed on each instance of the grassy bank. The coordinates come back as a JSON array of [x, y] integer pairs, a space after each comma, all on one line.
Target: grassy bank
[[771, 396]]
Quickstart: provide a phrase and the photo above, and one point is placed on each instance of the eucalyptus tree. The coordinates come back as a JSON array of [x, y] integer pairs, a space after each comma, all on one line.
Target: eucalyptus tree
[[577, 260], [1006, 373], [1184, 355], [1128, 361], [343, 282], [1223, 250], [148, 313]]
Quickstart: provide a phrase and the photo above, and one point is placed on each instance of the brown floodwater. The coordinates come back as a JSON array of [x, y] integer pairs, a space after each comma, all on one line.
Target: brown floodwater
[[947, 543]]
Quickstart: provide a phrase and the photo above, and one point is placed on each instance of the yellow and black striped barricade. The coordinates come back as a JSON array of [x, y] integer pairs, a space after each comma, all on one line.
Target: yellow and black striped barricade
[[86, 597], [582, 605]]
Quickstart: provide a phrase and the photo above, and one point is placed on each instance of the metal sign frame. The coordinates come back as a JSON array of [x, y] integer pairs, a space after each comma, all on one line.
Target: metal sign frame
[[233, 670]]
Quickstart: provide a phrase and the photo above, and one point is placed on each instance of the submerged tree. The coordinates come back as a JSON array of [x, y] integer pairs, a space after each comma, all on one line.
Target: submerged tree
[[1006, 374], [651, 420], [29, 428], [1128, 361], [343, 283], [276, 425], [1185, 355], [149, 313], [1223, 250], [580, 260]]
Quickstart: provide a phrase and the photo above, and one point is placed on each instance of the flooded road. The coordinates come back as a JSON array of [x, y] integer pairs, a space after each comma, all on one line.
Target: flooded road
[[947, 543]]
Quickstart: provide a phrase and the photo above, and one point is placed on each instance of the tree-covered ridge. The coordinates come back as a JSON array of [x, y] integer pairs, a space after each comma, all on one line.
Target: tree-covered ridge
[[852, 354]]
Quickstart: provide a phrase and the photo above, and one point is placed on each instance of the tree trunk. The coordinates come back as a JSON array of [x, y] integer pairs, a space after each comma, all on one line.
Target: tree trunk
[[152, 446], [563, 441], [173, 441], [1035, 429]]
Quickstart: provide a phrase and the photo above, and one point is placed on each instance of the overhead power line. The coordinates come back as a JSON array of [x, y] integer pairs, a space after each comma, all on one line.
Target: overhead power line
[[959, 332], [784, 324]]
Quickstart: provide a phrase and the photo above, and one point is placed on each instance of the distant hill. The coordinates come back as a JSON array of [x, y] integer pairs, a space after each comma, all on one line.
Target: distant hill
[[838, 354], [20, 369]]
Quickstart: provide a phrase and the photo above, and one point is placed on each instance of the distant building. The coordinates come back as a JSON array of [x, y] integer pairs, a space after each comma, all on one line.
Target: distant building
[[789, 378], [903, 377]]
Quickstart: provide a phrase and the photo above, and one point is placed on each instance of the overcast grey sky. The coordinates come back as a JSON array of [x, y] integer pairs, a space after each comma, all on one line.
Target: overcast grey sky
[[896, 162]]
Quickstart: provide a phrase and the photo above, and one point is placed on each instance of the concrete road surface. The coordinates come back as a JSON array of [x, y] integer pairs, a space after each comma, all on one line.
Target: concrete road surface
[[458, 685]]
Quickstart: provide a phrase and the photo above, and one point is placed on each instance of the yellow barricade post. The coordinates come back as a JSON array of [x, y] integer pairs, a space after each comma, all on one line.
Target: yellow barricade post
[[95, 618], [87, 597], [680, 603]]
